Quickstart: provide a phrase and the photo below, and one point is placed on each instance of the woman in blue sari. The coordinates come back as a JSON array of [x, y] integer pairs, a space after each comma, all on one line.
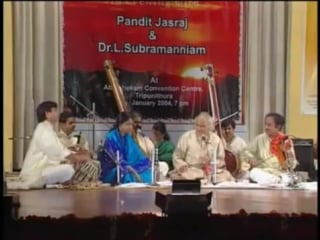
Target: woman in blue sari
[[134, 166]]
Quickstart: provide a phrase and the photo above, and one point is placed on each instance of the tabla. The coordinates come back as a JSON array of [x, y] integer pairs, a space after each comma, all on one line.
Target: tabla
[[232, 163]]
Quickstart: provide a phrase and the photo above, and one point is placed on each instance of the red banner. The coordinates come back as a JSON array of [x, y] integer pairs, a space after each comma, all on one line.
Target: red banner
[[158, 49]]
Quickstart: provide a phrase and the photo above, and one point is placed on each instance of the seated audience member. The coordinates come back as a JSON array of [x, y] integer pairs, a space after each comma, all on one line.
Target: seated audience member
[[88, 171], [196, 148], [134, 165], [234, 144], [143, 142], [165, 147], [266, 153], [44, 161]]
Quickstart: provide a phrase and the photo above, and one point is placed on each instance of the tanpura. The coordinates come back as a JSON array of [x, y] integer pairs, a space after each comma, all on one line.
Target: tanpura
[[231, 161]]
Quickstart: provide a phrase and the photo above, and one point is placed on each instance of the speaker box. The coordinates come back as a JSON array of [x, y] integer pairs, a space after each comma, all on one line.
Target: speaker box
[[186, 186], [304, 153]]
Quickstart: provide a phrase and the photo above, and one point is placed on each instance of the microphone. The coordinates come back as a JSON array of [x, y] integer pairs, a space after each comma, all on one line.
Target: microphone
[[203, 140], [78, 138]]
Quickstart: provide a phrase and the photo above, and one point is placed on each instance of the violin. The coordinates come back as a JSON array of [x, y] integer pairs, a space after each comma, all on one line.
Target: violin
[[279, 146]]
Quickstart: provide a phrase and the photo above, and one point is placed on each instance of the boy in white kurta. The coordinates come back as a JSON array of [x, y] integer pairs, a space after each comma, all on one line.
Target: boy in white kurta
[[43, 162], [234, 144]]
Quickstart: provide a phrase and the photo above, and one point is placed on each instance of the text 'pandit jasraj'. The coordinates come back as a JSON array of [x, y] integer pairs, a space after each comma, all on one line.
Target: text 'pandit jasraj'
[[149, 22]]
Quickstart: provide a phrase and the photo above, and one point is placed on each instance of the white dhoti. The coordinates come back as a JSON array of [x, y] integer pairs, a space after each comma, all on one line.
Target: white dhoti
[[263, 177], [53, 174], [57, 174]]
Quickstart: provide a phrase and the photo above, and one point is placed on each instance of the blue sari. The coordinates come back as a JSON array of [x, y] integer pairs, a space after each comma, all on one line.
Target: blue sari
[[130, 155]]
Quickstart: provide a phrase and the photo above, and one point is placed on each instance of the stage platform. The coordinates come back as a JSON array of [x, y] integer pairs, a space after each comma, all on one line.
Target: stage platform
[[110, 201]]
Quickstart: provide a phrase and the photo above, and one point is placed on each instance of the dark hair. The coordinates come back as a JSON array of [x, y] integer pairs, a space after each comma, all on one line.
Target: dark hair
[[277, 118], [228, 122], [63, 117], [43, 108], [135, 114], [161, 127], [121, 118]]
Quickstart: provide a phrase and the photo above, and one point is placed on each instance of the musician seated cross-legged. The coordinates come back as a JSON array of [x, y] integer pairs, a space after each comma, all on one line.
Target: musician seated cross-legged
[[119, 147], [235, 145], [194, 152], [145, 143], [88, 171], [165, 148], [44, 161], [271, 154]]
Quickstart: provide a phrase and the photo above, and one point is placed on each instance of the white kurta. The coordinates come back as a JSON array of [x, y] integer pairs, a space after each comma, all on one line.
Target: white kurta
[[268, 169], [190, 152], [71, 141], [42, 163], [235, 146], [145, 144]]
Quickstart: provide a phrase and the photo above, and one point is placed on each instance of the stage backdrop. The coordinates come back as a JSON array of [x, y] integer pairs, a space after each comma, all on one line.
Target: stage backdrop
[[157, 49]]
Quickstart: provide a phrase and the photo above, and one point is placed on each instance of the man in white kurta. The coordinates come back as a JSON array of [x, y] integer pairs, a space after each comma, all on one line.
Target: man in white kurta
[[88, 171], [195, 150], [265, 165], [43, 163], [146, 145]]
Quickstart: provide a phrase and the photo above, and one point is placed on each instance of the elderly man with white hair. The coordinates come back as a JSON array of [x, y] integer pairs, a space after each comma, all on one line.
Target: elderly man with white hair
[[195, 150]]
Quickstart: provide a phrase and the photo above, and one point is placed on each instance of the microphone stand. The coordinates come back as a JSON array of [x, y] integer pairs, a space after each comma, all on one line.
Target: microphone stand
[[19, 138], [93, 114], [154, 167], [118, 168], [214, 163], [292, 174]]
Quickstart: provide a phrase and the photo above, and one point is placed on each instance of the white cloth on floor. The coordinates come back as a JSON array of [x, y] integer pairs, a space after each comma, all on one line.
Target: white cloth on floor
[[312, 186]]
